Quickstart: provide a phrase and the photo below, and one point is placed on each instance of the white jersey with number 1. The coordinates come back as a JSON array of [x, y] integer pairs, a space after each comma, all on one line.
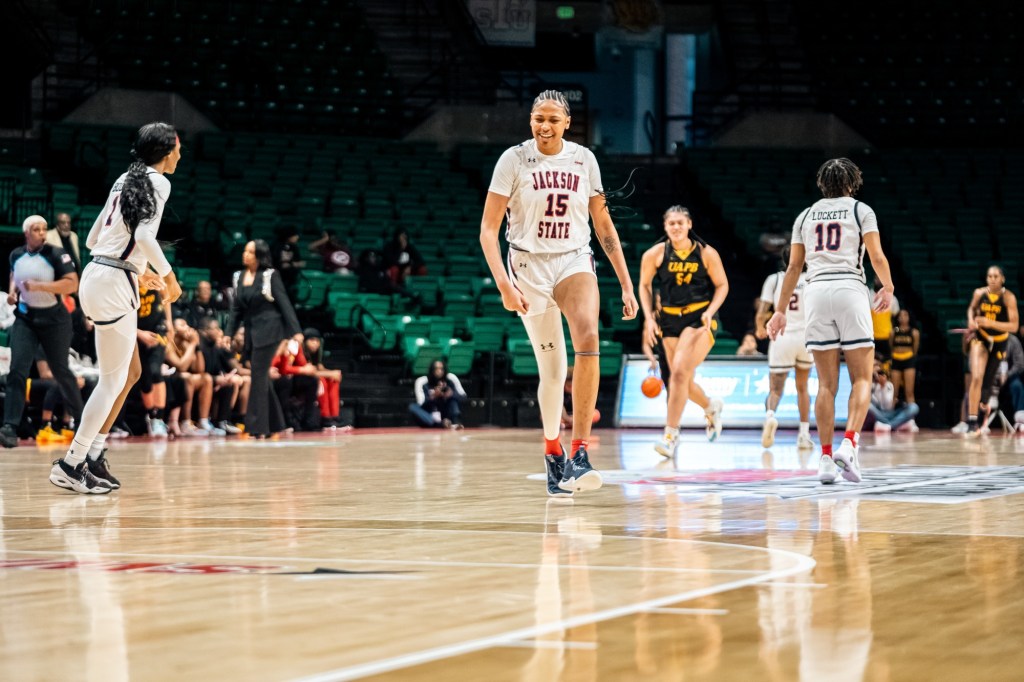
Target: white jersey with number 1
[[771, 291]]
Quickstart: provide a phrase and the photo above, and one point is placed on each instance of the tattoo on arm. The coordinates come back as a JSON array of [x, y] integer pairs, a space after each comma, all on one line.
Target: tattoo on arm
[[610, 244]]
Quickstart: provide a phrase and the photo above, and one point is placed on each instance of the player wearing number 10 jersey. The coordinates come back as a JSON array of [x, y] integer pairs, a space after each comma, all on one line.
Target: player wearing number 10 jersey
[[831, 237]]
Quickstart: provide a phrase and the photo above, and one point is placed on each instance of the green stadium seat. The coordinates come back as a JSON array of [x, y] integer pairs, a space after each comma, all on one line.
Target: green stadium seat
[[420, 352], [460, 356], [487, 333]]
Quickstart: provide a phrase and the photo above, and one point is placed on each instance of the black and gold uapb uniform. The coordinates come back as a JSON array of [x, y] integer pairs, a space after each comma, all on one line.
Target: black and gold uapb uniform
[[151, 319], [993, 306], [903, 354], [685, 290]]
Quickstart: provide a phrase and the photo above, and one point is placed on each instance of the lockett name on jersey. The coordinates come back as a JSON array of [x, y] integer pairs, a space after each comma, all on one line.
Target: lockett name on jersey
[[556, 180], [830, 215]]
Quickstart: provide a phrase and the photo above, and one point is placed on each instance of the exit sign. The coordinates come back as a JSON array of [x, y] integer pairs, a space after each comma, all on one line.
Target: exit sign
[[565, 12]]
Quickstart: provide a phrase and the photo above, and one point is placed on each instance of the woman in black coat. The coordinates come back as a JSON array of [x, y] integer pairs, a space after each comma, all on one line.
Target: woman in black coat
[[261, 304]]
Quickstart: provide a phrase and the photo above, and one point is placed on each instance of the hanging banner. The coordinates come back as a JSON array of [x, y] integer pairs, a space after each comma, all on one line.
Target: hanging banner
[[510, 23]]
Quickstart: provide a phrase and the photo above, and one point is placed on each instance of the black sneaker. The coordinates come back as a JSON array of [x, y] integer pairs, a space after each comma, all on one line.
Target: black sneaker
[[555, 465], [578, 475], [101, 470], [8, 436], [78, 478]]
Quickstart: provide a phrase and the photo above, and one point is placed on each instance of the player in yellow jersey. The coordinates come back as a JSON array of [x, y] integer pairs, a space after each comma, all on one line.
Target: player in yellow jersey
[[991, 318]]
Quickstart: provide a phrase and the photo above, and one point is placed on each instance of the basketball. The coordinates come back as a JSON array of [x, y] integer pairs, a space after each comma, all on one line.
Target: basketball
[[651, 386], [597, 415]]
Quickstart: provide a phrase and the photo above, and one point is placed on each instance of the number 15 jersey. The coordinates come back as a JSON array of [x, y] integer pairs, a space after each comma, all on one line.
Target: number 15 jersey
[[549, 196], [832, 233]]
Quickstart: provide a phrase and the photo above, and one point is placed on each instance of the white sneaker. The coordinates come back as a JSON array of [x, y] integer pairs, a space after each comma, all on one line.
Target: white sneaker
[[828, 472], [157, 428], [960, 428], [846, 459], [771, 424], [714, 418], [189, 430], [205, 425], [882, 427], [666, 447], [909, 427], [804, 442], [229, 428]]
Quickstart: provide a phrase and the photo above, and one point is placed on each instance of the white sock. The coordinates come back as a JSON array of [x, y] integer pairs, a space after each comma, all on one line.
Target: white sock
[[671, 433], [98, 444], [769, 414], [805, 428], [76, 453]]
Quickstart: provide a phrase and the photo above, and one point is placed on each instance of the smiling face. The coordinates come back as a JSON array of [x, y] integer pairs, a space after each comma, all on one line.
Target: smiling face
[[677, 226], [548, 122]]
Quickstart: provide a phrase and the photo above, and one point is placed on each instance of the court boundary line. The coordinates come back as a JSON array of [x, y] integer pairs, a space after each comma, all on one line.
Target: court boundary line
[[803, 564]]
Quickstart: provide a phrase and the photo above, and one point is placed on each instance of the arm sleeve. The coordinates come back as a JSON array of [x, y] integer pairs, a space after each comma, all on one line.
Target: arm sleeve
[[235, 318], [61, 262], [868, 221], [503, 181], [768, 289], [417, 390], [145, 233], [457, 385], [284, 305], [798, 229]]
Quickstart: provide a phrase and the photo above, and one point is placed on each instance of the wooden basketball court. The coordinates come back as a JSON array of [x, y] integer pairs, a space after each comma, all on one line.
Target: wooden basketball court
[[408, 554]]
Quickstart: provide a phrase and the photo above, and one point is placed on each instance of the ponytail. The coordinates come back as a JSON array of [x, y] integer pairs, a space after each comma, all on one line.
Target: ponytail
[[138, 196]]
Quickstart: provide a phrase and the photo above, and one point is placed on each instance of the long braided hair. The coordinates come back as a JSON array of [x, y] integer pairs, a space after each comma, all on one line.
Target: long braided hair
[[839, 178], [138, 197]]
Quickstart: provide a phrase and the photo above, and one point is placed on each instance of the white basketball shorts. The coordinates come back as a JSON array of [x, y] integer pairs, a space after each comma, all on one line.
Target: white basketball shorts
[[789, 351], [537, 274], [838, 315], [107, 293]]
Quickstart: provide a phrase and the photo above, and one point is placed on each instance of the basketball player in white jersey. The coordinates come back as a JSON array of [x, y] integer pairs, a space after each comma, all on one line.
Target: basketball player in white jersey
[[786, 353], [123, 243], [547, 188], [831, 237]]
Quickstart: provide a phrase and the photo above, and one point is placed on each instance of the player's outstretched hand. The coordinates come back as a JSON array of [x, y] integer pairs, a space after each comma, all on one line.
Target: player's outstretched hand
[[776, 326], [629, 305]]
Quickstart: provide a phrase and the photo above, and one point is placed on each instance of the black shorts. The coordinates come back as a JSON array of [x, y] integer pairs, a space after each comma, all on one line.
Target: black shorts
[[672, 326], [883, 350], [152, 359], [900, 365], [996, 349]]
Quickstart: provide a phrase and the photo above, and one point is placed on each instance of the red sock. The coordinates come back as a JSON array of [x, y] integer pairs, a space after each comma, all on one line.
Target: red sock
[[826, 449], [552, 447], [578, 443], [853, 437]]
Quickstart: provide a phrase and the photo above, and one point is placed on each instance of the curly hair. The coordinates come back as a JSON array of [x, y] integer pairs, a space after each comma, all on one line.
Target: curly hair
[[839, 178], [138, 197]]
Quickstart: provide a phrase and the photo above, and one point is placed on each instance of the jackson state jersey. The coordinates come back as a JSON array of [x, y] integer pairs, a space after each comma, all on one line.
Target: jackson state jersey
[[110, 236], [549, 196]]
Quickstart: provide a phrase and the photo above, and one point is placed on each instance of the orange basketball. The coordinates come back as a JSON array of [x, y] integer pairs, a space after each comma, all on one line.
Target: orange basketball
[[597, 415], [651, 386]]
